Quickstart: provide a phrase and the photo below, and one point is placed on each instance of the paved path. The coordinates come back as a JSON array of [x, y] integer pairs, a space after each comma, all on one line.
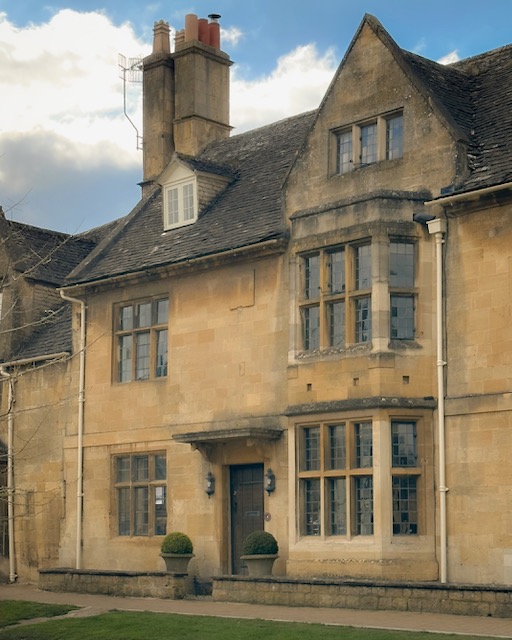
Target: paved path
[[439, 623]]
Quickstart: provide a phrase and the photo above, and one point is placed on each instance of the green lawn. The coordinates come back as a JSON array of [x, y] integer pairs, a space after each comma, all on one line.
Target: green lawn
[[124, 625], [12, 611]]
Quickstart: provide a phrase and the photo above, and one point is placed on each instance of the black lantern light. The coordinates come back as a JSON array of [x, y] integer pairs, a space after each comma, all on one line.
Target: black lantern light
[[209, 484], [270, 481]]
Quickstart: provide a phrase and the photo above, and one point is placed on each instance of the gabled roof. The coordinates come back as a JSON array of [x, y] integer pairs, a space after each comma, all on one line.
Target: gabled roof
[[44, 255], [247, 212], [53, 336]]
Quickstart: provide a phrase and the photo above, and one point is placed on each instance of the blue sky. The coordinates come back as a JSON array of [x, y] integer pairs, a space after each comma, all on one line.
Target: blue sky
[[68, 158]]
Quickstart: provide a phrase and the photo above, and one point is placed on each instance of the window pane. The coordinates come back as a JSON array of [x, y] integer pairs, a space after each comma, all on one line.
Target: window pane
[[174, 209], [140, 468], [404, 444], [336, 322], [141, 515], [160, 467], [369, 143], [126, 318], [161, 353], [338, 506], [363, 444], [401, 264], [402, 317], [188, 202], [160, 511], [363, 267], [311, 448], [123, 511], [311, 320], [364, 505], [123, 469], [336, 271], [344, 152], [161, 311], [312, 276], [143, 314], [142, 356], [125, 358], [395, 137], [311, 509], [337, 447], [363, 328], [405, 505]]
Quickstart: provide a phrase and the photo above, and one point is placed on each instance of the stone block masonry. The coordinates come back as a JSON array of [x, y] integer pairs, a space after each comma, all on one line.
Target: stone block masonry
[[469, 600]]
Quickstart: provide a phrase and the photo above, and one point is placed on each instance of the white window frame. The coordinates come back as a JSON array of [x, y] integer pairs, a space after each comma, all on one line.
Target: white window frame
[[176, 193]]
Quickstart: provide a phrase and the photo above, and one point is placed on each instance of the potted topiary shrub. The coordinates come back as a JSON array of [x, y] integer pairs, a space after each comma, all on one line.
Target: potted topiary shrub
[[176, 550], [259, 551]]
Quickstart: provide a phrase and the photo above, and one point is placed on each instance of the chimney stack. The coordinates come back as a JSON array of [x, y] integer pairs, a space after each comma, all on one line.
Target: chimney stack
[[186, 93]]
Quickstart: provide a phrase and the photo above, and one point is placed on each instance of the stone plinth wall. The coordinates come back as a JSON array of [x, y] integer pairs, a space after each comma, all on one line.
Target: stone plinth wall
[[433, 597], [114, 583]]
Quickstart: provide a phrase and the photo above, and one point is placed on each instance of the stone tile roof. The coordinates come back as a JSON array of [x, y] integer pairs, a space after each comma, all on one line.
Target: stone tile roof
[[476, 93], [54, 335], [44, 255], [248, 212]]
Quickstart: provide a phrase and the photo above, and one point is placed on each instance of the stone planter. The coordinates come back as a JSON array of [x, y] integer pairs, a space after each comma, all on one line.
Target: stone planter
[[176, 562], [259, 565]]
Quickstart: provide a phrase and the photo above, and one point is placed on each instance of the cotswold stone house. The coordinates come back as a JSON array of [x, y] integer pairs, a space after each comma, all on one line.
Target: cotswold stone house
[[305, 328]]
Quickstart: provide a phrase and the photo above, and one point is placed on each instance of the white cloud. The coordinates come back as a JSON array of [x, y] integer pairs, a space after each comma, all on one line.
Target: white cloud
[[231, 36], [59, 79], [449, 58], [297, 84], [63, 137]]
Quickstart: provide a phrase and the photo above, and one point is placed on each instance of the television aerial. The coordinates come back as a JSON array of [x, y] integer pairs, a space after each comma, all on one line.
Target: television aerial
[[130, 70]]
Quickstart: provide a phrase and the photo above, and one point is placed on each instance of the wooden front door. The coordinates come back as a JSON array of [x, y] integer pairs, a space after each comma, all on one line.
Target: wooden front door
[[246, 490]]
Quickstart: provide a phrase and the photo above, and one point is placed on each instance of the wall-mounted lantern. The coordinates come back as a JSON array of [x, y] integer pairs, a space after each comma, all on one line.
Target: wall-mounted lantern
[[270, 481], [209, 484]]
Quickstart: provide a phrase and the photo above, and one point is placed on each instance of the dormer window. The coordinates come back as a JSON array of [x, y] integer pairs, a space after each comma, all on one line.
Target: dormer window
[[180, 203]]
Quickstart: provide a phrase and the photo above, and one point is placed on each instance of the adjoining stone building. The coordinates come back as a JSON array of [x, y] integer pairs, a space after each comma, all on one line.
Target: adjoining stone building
[[323, 304]]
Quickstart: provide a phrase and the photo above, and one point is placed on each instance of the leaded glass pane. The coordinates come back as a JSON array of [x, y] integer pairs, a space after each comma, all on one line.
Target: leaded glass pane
[[336, 322], [311, 321], [125, 358], [395, 137], [369, 143], [363, 267], [142, 356], [311, 509], [123, 511], [363, 505], [312, 276], [161, 353], [402, 317], [141, 513], [123, 469], [401, 264], [188, 202], [336, 271], [140, 466], [363, 319], [344, 152], [405, 505], [311, 448], [364, 445], [404, 451], [160, 511], [337, 447], [337, 506], [161, 311], [126, 318], [160, 467]]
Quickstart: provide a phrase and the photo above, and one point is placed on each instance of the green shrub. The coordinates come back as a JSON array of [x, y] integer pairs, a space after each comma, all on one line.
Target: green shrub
[[259, 543], [176, 542]]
